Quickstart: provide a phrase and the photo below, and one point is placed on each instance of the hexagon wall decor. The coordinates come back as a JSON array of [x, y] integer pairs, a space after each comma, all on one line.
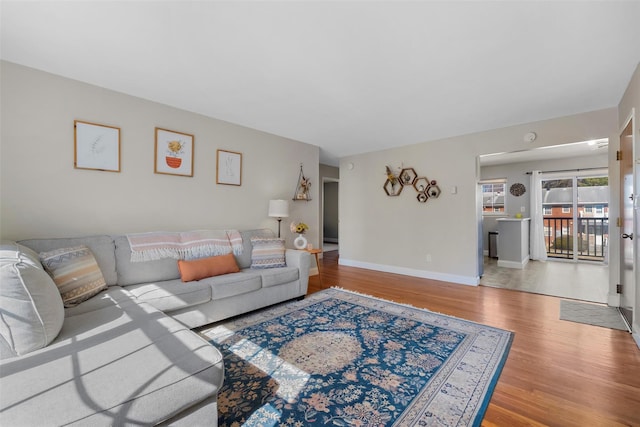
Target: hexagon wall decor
[[392, 189], [421, 184], [407, 176], [433, 190], [426, 189]]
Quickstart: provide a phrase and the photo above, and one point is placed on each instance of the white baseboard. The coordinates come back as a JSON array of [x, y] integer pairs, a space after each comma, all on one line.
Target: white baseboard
[[313, 271], [513, 264], [636, 338], [613, 300], [424, 274]]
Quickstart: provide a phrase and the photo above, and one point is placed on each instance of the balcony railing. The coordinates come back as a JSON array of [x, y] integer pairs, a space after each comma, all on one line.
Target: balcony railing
[[592, 237]]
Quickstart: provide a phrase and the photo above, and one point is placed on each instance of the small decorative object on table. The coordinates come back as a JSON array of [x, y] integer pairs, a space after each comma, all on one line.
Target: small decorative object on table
[[300, 228]]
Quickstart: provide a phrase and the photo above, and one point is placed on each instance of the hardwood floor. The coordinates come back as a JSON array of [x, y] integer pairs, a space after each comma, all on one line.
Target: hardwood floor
[[558, 373]]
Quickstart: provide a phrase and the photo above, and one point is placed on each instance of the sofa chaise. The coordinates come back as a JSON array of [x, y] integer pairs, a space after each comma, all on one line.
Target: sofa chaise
[[126, 356]]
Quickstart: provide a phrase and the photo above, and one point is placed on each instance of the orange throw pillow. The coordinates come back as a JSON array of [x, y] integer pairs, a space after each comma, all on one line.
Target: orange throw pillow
[[207, 267]]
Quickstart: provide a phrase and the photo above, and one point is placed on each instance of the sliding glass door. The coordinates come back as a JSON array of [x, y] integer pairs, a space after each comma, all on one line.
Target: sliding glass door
[[576, 216]]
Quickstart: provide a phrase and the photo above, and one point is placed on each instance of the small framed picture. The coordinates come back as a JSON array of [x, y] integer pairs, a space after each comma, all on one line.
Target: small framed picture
[[173, 153], [229, 168], [96, 147]]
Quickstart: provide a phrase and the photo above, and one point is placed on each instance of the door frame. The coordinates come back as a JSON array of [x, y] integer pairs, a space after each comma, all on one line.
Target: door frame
[[635, 151]]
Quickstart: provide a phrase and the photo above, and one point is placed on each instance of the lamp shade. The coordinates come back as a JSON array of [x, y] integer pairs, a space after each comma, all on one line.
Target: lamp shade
[[278, 208]]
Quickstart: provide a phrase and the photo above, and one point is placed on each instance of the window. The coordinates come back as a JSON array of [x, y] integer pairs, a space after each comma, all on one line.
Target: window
[[546, 210], [493, 200], [566, 209], [588, 209], [599, 209]]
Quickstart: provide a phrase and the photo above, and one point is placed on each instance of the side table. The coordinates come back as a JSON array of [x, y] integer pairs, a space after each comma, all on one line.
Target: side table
[[315, 252]]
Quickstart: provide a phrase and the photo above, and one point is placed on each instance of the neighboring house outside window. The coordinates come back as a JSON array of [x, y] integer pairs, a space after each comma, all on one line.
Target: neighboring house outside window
[[493, 197], [592, 220]]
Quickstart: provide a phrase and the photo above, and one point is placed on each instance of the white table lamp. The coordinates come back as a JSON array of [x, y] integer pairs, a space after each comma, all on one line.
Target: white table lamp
[[278, 209]]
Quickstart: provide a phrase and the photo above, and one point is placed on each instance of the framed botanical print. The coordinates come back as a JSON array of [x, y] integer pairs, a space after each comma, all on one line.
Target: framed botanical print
[[96, 146], [229, 169], [173, 153]]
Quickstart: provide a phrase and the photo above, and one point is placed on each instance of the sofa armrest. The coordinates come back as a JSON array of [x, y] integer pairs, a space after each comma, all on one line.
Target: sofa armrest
[[301, 260]]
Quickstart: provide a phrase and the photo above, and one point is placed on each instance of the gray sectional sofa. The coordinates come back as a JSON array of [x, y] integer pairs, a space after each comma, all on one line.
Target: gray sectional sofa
[[127, 356]]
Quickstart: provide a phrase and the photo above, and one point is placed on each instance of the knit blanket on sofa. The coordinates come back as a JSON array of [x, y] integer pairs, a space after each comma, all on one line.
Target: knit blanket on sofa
[[183, 245]]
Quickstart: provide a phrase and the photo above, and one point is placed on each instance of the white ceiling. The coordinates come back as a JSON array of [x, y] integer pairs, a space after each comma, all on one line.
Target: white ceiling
[[349, 77]]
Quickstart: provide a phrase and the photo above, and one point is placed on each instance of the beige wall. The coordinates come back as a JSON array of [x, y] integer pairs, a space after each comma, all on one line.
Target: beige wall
[[397, 234], [44, 196]]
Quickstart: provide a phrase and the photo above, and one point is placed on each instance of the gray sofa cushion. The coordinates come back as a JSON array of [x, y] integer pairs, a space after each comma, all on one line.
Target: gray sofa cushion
[[133, 273], [113, 296], [15, 252], [31, 312], [172, 294], [233, 284], [114, 366], [101, 246], [279, 276]]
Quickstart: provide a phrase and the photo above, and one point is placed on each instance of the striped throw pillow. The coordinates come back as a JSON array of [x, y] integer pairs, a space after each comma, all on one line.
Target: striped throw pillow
[[75, 272], [267, 252]]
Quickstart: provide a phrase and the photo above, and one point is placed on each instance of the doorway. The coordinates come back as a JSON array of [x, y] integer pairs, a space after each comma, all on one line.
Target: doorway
[[575, 212], [588, 281], [330, 230]]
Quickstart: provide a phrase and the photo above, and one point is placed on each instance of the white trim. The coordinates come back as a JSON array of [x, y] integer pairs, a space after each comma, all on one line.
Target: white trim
[[613, 300], [313, 271], [424, 274], [493, 181], [630, 120], [571, 173], [514, 264]]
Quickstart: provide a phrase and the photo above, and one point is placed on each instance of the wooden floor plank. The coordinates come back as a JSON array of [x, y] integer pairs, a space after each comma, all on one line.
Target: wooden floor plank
[[558, 373]]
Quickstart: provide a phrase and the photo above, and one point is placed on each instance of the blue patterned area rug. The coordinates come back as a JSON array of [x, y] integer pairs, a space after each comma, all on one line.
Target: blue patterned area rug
[[339, 358]]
